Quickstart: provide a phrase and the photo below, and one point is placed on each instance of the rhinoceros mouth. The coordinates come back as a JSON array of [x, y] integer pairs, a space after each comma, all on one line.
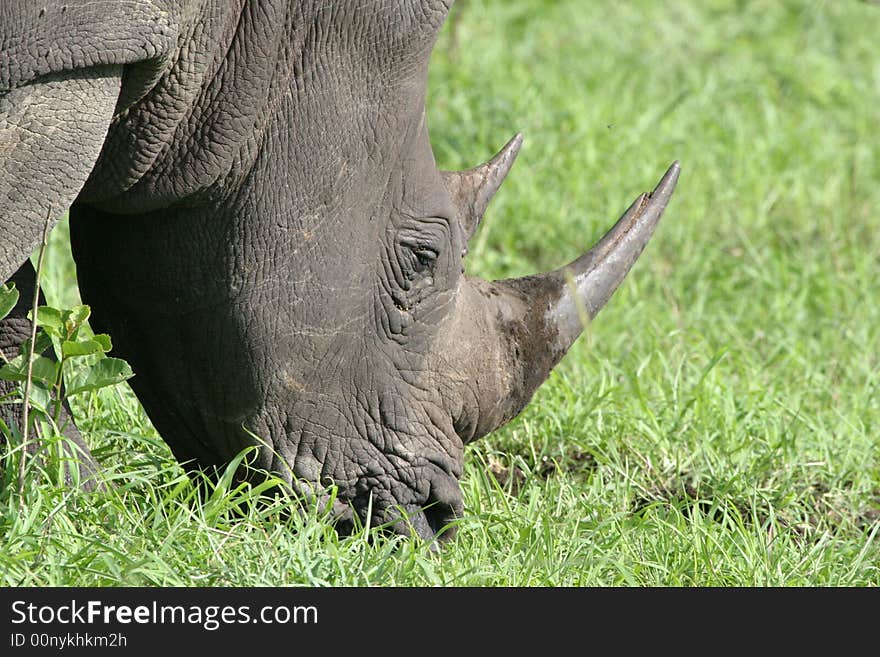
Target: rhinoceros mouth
[[434, 517], [434, 521]]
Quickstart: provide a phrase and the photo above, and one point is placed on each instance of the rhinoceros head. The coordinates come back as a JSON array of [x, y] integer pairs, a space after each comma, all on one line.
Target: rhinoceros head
[[271, 244]]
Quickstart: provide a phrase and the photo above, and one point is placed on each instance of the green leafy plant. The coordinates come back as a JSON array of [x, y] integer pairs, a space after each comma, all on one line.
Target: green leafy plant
[[66, 332], [8, 298], [62, 358]]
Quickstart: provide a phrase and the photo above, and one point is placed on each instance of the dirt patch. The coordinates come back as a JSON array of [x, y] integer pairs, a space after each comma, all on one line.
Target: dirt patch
[[816, 507], [576, 462], [830, 507], [511, 477], [689, 498]]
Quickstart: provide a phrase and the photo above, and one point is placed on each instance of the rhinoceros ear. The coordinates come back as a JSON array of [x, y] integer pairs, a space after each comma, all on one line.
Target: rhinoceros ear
[[472, 190]]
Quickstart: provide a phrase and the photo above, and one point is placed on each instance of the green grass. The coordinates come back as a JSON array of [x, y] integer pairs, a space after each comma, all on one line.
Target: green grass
[[719, 424]]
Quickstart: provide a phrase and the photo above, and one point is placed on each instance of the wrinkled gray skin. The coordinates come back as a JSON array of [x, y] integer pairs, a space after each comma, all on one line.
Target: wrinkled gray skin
[[258, 221]]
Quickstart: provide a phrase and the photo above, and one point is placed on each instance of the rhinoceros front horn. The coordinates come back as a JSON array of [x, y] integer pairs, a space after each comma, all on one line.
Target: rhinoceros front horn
[[546, 313], [529, 323], [587, 283]]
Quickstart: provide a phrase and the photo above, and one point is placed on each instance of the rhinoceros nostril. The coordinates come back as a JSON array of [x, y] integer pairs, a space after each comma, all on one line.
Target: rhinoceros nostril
[[435, 519], [441, 519], [434, 522], [443, 507]]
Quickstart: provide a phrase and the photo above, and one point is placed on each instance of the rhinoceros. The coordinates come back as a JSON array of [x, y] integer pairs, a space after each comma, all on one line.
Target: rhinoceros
[[258, 221]]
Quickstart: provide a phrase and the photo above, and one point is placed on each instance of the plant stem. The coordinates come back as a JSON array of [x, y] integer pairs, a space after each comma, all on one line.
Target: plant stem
[[58, 387], [27, 383]]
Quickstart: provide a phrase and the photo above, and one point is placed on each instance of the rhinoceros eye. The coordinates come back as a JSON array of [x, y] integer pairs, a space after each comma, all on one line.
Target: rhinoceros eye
[[418, 264], [418, 255], [424, 259]]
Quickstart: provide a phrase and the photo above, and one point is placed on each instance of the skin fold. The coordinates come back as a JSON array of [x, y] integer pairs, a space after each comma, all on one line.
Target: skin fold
[[258, 221]]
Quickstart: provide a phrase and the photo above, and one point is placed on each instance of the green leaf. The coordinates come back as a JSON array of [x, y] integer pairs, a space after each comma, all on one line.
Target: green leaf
[[10, 371], [8, 299], [40, 396], [70, 348], [104, 340], [44, 342], [43, 369], [50, 319], [105, 372], [75, 318]]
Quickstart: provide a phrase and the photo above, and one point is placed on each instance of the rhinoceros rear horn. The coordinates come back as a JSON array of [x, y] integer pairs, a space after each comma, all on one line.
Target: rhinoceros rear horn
[[472, 190]]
